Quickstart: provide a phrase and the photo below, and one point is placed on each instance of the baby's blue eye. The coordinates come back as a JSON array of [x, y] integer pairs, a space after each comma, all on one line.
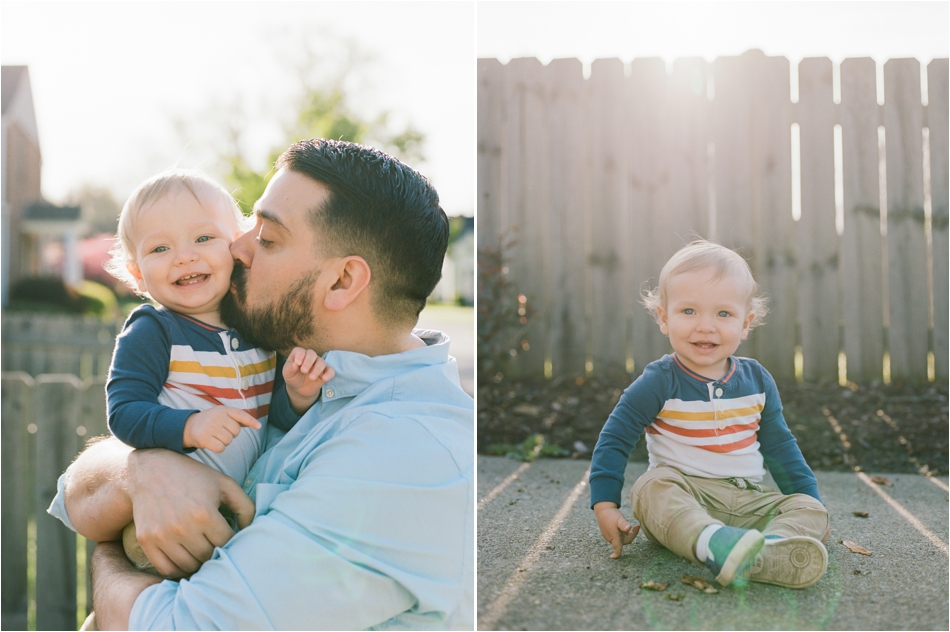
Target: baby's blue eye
[[203, 238], [688, 310], [160, 249], [724, 314]]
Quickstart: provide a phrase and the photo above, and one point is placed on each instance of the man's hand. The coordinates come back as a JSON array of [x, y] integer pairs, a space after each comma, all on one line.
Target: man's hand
[[215, 428], [614, 527], [305, 373], [175, 502]]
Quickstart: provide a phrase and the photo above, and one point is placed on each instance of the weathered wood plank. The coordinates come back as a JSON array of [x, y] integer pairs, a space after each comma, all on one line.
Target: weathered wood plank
[[732, 222], [526, 172], [687, 110], [818, 309], [650, 201], [491, 130], [608, 123], [774, 263], [16, 480], [906, 241], [57, 406], [862, 269], [92, 416], [937, 120], [568, 229]]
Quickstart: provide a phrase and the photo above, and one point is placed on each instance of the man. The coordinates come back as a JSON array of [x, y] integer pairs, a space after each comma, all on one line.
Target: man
[[364, 509]]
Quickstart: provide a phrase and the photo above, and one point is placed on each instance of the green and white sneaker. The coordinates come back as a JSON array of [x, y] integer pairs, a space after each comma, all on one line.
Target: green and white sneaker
[[732, 553], [793, 562]]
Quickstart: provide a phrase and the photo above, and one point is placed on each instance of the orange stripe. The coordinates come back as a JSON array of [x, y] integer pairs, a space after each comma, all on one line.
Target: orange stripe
[[730, 447], [226, 393], [702, 433]]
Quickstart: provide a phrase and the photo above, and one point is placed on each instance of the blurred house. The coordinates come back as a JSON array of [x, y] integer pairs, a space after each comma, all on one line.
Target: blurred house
[[458, 269], [38, 238]]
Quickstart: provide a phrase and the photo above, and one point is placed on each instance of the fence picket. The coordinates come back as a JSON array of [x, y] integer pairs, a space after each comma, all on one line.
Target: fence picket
[[566, 249], [906, 242], [937, 121], [862, 270], [608, 261], [57, 406], [818, 309], [17, 403], [492, 223]]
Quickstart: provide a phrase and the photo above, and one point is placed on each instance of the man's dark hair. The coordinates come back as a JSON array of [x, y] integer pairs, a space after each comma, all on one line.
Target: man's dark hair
[[382, 210]]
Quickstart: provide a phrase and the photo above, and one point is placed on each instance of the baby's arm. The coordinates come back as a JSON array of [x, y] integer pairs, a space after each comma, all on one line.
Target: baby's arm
[[305, 373]]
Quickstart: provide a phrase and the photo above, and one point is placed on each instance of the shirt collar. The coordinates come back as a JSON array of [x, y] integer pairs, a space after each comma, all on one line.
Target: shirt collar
[[356, 371]]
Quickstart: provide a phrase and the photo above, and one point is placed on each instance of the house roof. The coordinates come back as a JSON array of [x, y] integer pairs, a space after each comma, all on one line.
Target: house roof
[[11, 76], [45, 211]]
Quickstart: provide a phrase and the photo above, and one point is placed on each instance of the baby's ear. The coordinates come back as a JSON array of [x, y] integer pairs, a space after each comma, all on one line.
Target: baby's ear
[[137, 275], [661, 320]]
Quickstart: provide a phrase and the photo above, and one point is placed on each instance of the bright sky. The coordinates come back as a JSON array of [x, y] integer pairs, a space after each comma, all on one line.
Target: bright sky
[[627, 30], [110, 79]]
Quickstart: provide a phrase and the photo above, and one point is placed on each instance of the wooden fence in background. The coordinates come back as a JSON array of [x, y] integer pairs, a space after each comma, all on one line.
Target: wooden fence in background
[[599, 181], [39, 343], [46, 421]]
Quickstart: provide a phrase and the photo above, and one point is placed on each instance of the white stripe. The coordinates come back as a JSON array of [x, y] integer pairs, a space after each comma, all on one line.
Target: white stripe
[[496, 609], [906, 515], [501, 486], [702, 406]]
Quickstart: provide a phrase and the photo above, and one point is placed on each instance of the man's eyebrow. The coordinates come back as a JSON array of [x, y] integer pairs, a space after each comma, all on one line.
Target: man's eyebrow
[[270, 217]]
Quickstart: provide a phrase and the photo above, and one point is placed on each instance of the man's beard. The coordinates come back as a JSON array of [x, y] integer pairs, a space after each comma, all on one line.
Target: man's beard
[[282, 325]]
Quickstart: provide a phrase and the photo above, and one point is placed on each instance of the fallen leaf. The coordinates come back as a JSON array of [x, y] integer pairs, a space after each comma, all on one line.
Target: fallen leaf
[[855, 548], [880, 480], [860, 514], [698, 583], [675, 597], [652, 585]]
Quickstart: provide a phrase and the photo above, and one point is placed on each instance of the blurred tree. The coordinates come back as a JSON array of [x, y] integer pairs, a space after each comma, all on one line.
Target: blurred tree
[[100, 210], [330, 79]]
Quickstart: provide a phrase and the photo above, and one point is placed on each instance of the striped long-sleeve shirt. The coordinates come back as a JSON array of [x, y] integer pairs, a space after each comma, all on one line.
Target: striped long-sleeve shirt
[[731, 427], [167, 366]]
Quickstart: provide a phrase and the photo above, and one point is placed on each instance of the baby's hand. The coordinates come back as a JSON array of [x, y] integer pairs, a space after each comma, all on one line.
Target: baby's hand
[[305, 373], [215, 428], [614, 527]]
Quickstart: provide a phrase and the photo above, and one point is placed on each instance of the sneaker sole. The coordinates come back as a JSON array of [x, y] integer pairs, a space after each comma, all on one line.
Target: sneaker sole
[[795, 562], [741, 557]]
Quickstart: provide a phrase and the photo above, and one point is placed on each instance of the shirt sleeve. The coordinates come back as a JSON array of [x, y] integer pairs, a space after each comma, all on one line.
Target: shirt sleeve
[[637, 408], [780, 449], [136, 379], [373, 528]]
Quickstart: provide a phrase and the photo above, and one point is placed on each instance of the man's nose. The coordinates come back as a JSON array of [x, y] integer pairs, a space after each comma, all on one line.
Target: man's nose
[[242, 248]]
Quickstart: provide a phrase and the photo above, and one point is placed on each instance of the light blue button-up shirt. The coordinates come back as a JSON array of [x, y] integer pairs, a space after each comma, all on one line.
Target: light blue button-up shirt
[[365, 512]]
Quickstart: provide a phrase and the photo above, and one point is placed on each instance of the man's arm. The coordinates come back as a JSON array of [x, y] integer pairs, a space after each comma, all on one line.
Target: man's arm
[[173, 499], [116, 584], [368, 530]]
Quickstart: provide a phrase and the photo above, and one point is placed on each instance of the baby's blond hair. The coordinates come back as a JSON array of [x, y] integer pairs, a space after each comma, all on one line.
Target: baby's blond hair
[[700, 253], [206, 191]]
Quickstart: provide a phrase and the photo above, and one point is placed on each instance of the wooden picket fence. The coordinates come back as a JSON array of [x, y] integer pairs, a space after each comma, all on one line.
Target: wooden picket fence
[[40, 343], [601, 180], [46, 422]]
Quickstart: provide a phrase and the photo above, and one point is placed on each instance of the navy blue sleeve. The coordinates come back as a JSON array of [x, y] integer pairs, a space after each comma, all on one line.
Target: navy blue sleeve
[[136, 378], [780, 449], [280, 414], [637, 408]]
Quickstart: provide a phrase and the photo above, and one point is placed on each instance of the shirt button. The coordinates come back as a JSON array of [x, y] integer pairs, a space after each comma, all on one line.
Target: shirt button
[[244, 384], [248, 483], [235, 343], [718, 392], [329, 392]]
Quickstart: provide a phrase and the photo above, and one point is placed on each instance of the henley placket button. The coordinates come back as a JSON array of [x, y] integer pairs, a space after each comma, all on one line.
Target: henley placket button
[[718, 392], [234, 343]]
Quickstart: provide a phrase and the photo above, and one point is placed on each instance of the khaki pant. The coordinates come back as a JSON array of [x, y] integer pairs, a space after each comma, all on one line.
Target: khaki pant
[[673, 509]]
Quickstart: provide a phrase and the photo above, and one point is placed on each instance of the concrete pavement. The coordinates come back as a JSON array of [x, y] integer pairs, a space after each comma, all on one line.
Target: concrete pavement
[[542, 563]]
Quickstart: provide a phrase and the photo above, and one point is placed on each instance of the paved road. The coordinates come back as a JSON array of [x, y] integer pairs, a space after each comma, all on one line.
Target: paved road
[[459, 324], [543, 565]]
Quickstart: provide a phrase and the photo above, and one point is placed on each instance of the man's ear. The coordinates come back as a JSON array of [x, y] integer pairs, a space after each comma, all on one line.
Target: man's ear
[[351, 277], [137, 275]]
